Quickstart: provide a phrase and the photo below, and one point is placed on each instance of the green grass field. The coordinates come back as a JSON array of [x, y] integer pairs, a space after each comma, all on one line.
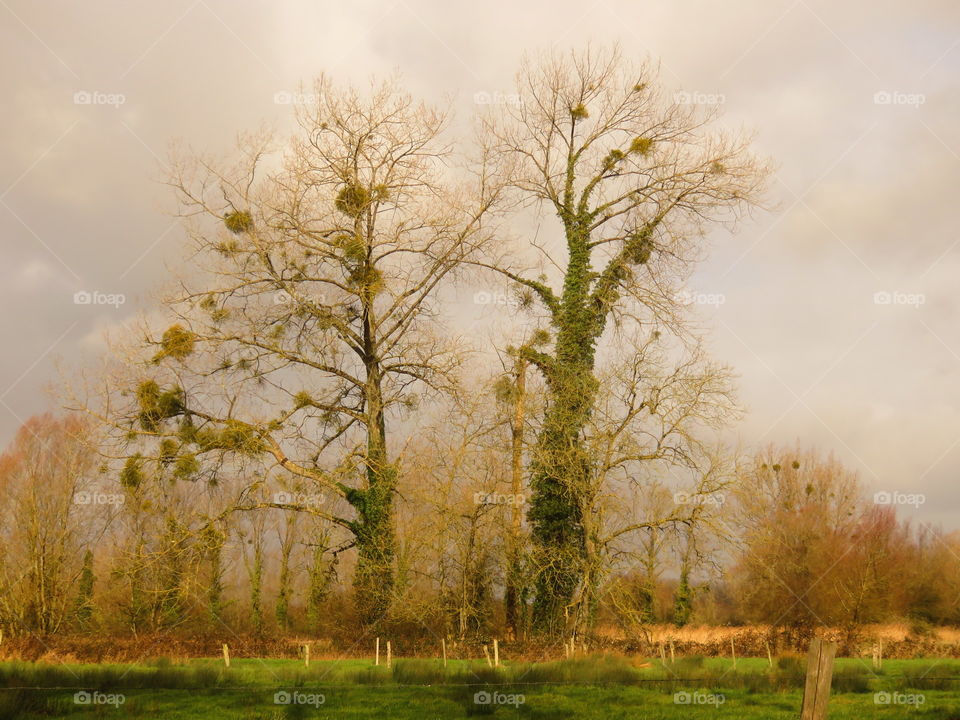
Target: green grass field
[[595, 687]]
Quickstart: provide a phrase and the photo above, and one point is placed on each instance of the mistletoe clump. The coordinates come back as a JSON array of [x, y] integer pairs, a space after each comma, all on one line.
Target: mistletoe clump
[[132, 474], [352, 200], [238, 221], [156, 405], [177, 342]]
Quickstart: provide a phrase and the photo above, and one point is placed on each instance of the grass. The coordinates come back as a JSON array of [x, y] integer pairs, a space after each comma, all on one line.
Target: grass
[[590, 687]]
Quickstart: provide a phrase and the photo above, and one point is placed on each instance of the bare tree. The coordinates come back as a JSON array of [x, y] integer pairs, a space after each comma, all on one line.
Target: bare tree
[[634, 180], [512, 390], [797, 509], [53, 516], [308, 321]]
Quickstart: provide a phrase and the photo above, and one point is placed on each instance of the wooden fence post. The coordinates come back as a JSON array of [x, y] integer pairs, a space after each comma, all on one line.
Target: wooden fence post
[[226, 655], [376, 660], [769, 655], [816, 692], [663, 655], [443, 648], [306, 655], [486, 654], [673, 657], [496, 653], [389, 657], [733, 653]]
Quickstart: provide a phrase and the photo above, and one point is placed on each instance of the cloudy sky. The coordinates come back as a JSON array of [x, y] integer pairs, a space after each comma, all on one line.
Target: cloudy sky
[[839, 306]]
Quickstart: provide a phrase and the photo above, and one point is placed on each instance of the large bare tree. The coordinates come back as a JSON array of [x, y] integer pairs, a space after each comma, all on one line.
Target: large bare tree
[[307, 318], [627, 182]]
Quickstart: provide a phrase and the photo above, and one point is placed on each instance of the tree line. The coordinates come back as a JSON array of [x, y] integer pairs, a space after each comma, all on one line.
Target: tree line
[[306, 435]]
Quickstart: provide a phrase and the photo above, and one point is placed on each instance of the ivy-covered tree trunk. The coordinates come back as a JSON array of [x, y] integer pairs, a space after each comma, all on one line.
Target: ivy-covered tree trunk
[[214, 539], [561, 464], [373, 579], [255, 576], [84, 606], [320, 574], [282, 608], [374, 531], [683, 599]]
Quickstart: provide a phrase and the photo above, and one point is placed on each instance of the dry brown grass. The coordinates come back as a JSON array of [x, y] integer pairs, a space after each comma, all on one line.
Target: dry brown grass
[[899, 640]]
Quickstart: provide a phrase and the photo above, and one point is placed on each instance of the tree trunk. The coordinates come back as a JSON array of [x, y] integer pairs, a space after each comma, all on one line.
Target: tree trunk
[[374, 529], [514, 570], [561, 466]]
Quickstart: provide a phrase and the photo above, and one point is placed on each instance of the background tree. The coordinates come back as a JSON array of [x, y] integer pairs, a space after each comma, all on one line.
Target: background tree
[[53, 515], [797, 510]]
